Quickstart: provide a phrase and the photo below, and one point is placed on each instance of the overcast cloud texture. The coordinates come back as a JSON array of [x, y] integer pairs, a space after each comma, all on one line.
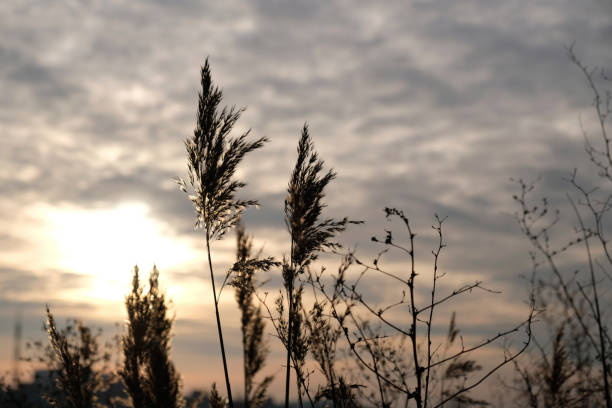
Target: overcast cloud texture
[[429, 106]]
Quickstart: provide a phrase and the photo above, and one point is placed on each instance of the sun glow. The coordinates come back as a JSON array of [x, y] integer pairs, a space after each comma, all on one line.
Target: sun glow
[[106, 244]]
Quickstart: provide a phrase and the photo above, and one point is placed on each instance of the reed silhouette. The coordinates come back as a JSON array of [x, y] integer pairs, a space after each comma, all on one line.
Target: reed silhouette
[[347, 346], [212, 160], [252, 322], [76, 376], [148, 373], [309, 235]]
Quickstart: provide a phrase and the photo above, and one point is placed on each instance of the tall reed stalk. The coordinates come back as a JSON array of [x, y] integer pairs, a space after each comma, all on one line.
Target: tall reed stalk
[[252, 325], [309, 235], [213, 157]]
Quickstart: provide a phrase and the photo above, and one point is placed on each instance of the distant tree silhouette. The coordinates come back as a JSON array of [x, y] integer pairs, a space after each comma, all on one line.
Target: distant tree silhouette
[[148, 373], [72, 357]]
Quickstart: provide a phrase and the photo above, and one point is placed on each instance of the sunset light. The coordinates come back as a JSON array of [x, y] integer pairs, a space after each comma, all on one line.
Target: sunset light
[[107, 243], [400, 204]]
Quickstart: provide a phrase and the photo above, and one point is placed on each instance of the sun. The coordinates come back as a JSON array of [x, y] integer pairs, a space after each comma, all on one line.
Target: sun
[[106, 244]]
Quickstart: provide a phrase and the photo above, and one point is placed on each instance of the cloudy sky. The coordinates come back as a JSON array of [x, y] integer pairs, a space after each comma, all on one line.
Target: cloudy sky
[[429, 106]]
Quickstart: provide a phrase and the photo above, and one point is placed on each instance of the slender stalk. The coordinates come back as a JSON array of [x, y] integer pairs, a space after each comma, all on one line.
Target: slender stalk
[[377, 373], [418, 370], [247, 387], [219, 331], [301, 383], [299, 390], [213, 157], [289, 330], [436, 255], [309, 234], [247, 384], [279, 333]]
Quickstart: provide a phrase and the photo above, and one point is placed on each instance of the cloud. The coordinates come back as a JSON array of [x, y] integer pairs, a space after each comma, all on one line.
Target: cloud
[[18, 282], [427, 106]]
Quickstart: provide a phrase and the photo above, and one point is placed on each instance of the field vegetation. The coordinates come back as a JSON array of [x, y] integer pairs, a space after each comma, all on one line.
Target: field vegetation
[[347, 345]]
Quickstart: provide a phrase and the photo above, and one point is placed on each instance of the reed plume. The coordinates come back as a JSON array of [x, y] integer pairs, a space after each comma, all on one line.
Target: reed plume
[[77, 381], [148, 373], [212, 159], [309, 235], [133, 344], [251, 320], [215, 400]]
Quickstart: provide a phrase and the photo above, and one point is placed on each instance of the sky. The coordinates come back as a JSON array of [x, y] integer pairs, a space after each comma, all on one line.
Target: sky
[[428, 106]]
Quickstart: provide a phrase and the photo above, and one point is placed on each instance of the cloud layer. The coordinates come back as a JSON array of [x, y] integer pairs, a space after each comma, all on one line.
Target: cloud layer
[[427, 106]]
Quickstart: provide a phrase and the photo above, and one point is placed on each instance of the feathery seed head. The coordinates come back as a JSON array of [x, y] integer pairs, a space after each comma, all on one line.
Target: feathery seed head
[[304, 204], [212, 159]]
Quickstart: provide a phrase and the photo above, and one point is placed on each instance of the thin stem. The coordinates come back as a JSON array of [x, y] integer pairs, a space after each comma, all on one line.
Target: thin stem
[[374, 360], [289, 331], [247, 380], [354, 351], [289, 327], [436, 255], [418, 370], [465, 350], [543, 247], [602, 342], [212, 280], [280, 337], [506, 360]]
